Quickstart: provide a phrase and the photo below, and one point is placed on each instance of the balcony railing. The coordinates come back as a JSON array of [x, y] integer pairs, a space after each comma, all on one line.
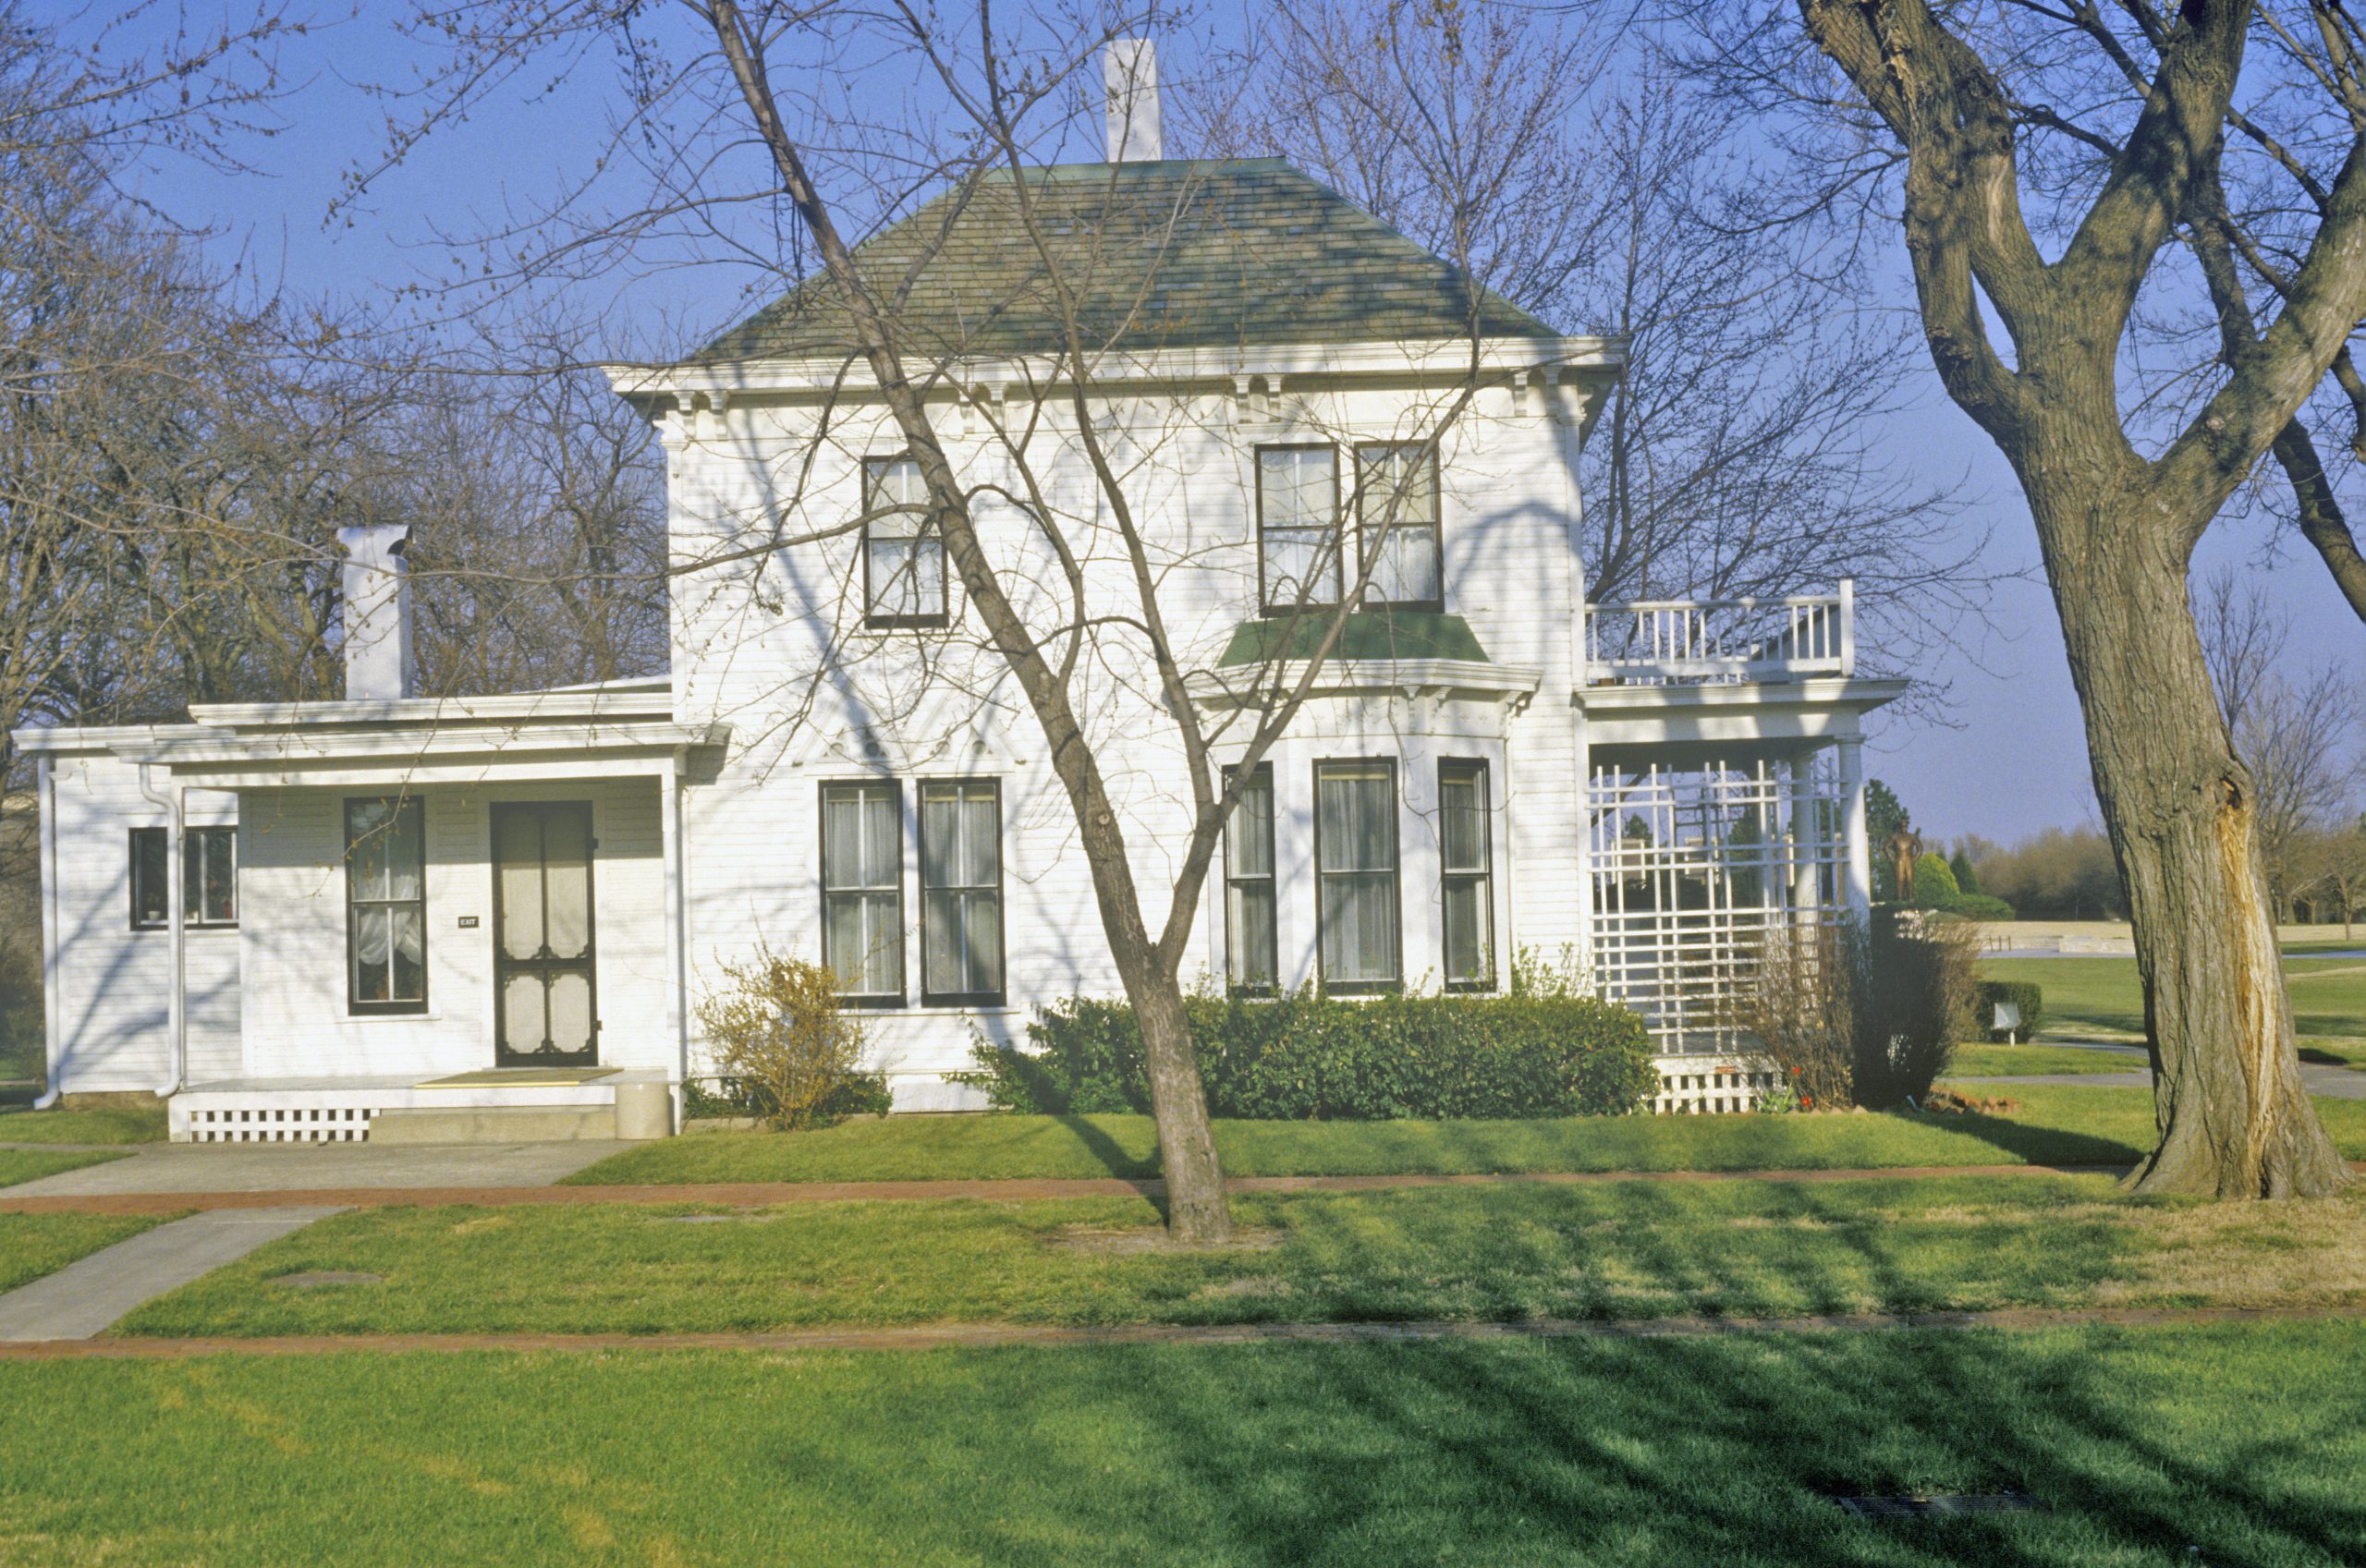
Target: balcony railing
[[1663, 641]]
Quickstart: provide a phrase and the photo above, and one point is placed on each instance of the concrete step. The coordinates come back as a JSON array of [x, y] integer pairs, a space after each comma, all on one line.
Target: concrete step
[[487, 1124]]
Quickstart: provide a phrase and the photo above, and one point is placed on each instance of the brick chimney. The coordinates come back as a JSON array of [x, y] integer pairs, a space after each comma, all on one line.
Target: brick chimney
[[377, 612]]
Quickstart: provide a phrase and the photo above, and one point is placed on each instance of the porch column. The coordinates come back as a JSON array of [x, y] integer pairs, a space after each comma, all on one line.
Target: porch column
[[1805, 856], [1858, 859]]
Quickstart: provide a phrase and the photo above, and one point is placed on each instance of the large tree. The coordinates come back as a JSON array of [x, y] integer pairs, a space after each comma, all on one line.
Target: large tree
[[2000, 223]]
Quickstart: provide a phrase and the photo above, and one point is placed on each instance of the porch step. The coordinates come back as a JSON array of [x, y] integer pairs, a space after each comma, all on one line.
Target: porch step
[[489, 1124]]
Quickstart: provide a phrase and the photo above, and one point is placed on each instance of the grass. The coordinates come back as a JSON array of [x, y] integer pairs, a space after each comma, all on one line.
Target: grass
[[32, 1164], [1994, 1060], [1753, 1249], [34, 1245], [2056, 1125], [109, 1125], [2103, 995], [2146, 1449]]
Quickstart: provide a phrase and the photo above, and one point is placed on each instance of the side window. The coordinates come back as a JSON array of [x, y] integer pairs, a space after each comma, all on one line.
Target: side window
[[385, 880], [1355, 861], [862, 890], [1251, 945], [961, 892], [903, 555], [209, 878], [1466, 856], [1298, 528], [1396, 524]]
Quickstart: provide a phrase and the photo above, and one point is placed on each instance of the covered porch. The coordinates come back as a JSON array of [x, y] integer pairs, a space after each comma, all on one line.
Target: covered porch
[[459, 920], [1724, 809]]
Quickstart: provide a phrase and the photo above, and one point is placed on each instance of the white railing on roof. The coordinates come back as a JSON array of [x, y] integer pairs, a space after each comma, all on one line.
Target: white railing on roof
[[1657, 641]]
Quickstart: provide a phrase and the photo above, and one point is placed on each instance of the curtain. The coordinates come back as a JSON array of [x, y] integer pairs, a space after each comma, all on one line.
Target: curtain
[[1396, 508], [961, 888], [1298, 522], [1356, 829], [862, 936]]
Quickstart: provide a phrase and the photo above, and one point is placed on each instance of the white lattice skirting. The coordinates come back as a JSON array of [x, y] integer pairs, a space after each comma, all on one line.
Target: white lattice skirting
[[310, 1123], [1707, 1086]]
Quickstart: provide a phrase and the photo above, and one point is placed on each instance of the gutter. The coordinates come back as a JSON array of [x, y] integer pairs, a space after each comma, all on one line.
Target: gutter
[[175, 897]]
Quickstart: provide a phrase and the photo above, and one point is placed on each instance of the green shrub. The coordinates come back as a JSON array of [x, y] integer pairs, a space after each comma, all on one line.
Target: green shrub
[[1913, 1004], [1967, 875], [784, 1046], [2026, 994], [1934, 885], [1977, 906], [1549, 1052]]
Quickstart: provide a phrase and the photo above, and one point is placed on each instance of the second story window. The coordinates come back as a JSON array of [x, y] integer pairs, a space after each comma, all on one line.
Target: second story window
[[1298, 528], [1396, 524], [903, 555]]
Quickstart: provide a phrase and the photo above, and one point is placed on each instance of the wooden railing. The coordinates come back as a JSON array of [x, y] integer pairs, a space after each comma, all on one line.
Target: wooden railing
[[1659, 641]]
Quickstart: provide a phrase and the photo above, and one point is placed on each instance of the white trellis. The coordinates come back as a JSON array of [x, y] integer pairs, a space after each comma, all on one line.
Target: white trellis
[[1692, 868]]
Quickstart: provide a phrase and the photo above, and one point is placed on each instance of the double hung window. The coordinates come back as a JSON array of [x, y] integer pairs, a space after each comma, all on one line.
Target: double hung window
[[1298, 527], [1250, 937], [385, 879], [1357, 908], [960, 891], [1396, 524], [208, 876], [1467, 875], [863, 890], [903, 554]]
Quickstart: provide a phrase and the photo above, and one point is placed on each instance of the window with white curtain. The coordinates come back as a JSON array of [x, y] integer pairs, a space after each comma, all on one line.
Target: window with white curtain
[[1298, 527], [1396, 524], [1467, 875], [1252, 946], [863, 890], [903, 555], [961, 892], [209, 878], [1355, 862], [385, 879]]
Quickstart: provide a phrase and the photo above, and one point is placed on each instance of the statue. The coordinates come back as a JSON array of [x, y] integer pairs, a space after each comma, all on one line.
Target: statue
[[1904, 845]]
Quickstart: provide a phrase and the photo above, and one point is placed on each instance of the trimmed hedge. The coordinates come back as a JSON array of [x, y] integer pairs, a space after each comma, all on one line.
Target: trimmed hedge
[[1986, 994], [1977, 906], [1310, 1058]]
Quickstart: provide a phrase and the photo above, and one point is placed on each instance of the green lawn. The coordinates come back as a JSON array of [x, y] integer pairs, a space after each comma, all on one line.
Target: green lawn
[[2103, 995], [34, 1245], [1627, 1249], [32, 1164], [2056, 1125], [1994, 1061], [2158, 1448], [110, 1125]]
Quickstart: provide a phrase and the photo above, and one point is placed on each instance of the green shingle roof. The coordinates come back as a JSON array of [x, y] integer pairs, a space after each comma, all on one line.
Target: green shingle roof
[[1365, 634], [1161, 255]]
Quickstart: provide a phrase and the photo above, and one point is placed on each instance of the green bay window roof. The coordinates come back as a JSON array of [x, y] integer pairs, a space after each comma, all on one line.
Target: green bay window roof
[[1367, 634], [1179, 254]]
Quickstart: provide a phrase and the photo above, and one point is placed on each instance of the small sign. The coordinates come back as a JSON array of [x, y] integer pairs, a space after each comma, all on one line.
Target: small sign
[[468, 922]]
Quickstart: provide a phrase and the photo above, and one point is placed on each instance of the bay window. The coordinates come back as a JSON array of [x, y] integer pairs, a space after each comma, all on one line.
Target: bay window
[[1357, 911]]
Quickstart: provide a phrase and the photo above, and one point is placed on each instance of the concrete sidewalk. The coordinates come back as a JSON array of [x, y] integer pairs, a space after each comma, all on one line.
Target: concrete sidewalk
[[85, 1297], [2333, 1083], [293, 1167]]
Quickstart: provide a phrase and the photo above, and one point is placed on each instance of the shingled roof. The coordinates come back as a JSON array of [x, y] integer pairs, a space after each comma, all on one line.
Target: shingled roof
[[1161, 255]]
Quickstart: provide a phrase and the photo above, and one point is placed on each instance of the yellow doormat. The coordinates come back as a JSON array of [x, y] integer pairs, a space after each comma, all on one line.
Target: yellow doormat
[[520, 1077]]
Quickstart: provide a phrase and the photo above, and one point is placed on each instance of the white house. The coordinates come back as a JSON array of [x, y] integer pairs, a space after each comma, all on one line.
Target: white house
[[401, 917]]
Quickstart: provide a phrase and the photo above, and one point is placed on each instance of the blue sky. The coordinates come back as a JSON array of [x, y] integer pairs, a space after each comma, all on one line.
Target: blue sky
[[2010, 757]]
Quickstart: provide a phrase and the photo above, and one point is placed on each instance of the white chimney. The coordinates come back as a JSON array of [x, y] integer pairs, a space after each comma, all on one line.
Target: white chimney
[[377, 612], [1130, 72]]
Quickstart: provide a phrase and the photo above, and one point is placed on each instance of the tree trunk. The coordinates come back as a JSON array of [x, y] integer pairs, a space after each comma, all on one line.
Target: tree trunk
[[1197, 1212], [2233, 1118]]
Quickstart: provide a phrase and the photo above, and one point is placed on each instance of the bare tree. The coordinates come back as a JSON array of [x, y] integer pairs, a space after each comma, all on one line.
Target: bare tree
[[2023, 195]]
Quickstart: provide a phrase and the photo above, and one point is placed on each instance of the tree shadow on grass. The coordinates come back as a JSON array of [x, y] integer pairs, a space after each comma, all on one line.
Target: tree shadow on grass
[[2036, 1143]]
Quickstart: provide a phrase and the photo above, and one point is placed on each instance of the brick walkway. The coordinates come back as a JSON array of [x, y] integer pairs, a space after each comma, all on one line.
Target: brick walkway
[[765, 1195], [974, 1336]]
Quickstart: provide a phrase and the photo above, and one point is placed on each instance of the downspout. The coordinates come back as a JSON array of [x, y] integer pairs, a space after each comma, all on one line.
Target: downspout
[[175, 896], [678, 936], [52, 1006]]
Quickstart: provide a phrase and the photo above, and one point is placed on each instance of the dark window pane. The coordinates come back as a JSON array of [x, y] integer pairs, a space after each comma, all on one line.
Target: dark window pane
[[150, 885]]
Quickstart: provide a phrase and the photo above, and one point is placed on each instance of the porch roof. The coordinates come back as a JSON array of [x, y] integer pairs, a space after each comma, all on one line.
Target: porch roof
[[1733, 713], [412, 754]]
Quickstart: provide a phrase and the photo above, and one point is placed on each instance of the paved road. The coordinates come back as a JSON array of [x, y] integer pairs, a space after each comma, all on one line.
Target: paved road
[[85, 1297], [274, 1167]]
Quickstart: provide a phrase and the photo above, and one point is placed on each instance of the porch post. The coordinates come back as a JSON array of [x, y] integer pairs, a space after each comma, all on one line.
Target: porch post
[[175, 903], [1858, 864], [669, 802], [1805, 856]]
